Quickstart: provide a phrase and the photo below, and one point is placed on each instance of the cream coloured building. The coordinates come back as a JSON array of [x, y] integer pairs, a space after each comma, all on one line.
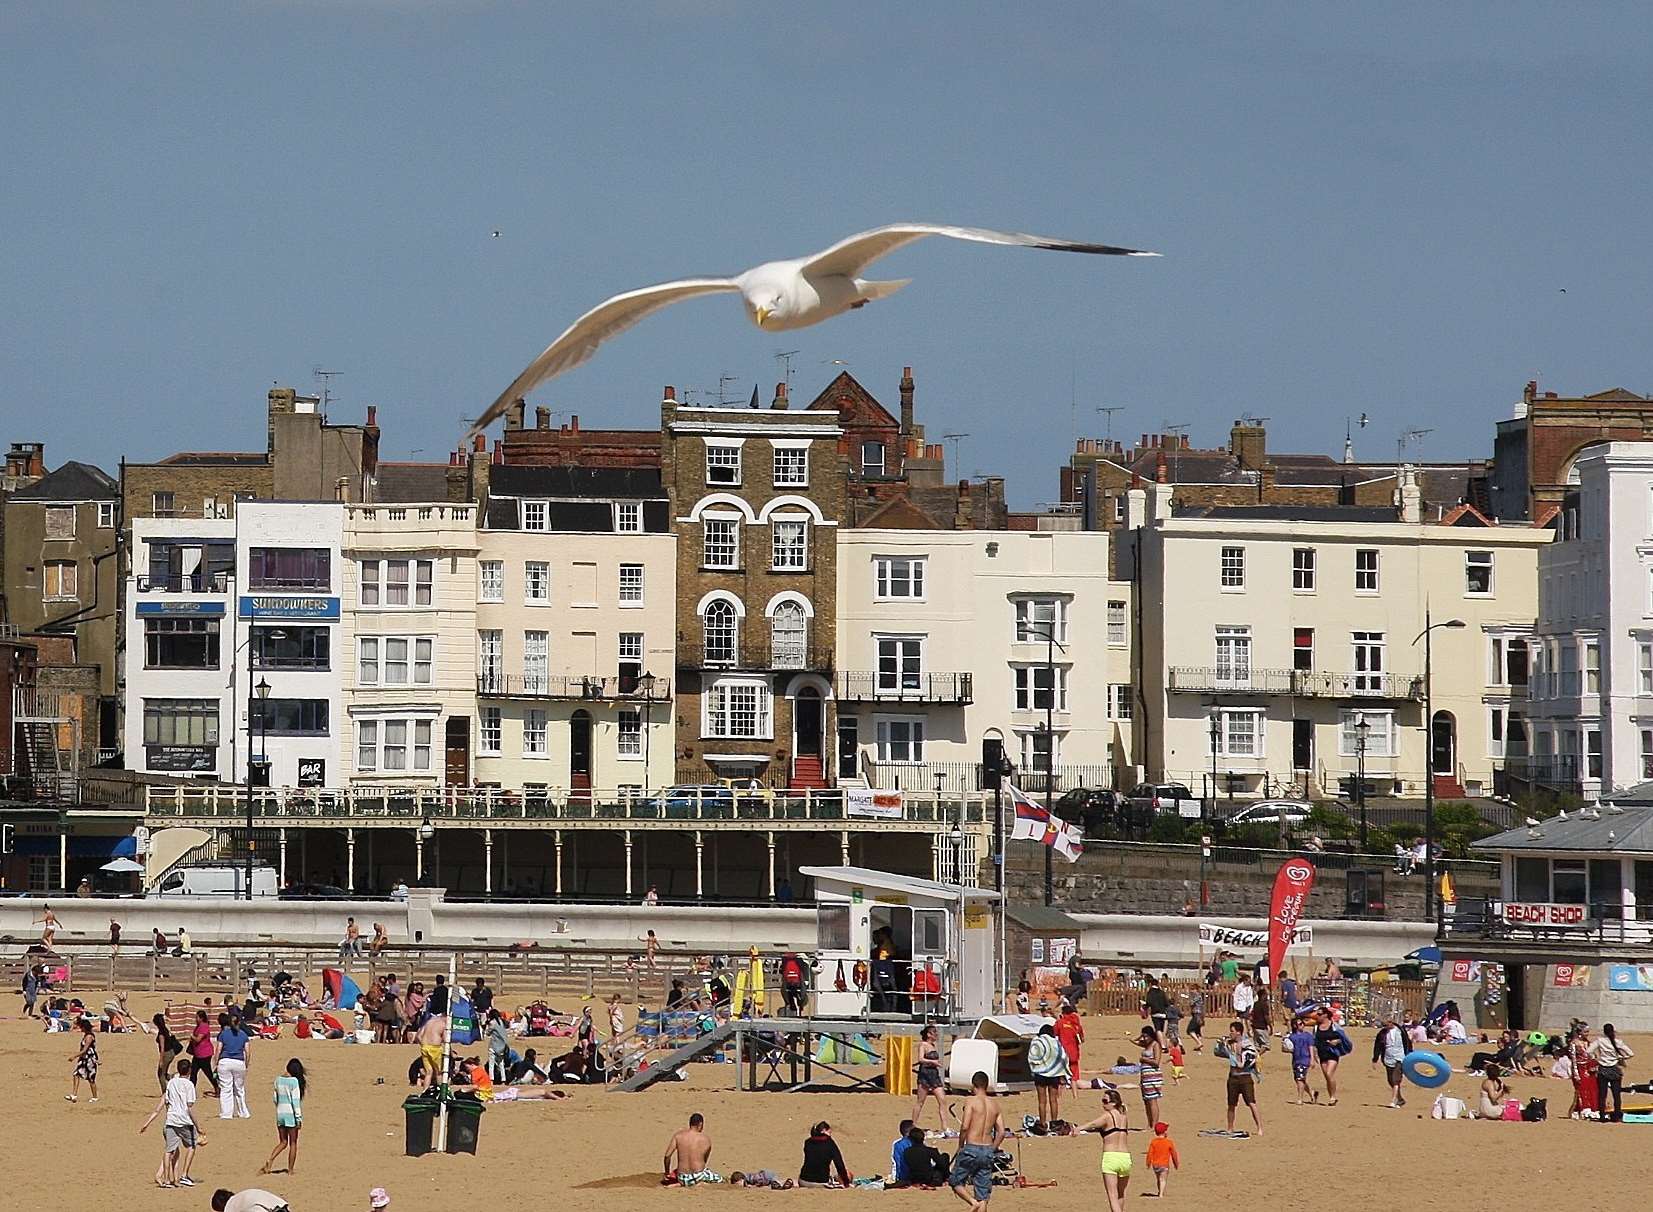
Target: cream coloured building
[[944, 639], [1291, 627], [407, 643], [576, 631]]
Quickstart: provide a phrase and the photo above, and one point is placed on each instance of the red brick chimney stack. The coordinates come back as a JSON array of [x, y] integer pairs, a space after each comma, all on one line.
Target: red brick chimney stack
[[906, 400]]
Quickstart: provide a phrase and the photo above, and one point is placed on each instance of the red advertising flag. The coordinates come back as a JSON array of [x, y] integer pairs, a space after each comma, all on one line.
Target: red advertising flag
[[1285, 910]]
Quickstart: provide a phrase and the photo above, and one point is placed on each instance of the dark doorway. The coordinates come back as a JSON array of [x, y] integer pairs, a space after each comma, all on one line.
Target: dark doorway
[[457, 764], [849, 747], [1302, 744], [579, 751], [806, 722], [1443, 744], [1515, 996]]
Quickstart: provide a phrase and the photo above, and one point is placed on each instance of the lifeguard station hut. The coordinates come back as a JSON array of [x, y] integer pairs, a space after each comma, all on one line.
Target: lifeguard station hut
[[941, 935]]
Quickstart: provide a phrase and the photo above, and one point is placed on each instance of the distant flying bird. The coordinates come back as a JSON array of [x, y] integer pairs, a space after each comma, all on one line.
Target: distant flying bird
[[496, 234], [779, 295]]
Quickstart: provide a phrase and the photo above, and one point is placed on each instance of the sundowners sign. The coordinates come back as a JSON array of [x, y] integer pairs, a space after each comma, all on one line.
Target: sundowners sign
[[1213, 935], [1291, 896], [863, 801]]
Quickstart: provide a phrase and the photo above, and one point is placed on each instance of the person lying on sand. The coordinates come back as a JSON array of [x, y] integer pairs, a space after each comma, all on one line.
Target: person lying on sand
[[760, 1180]]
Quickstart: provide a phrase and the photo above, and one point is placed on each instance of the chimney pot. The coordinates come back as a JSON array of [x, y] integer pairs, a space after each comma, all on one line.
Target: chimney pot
[[481, 443], [542, 417], [671, 393], [372, 415], [574, 423], [1550, 395]]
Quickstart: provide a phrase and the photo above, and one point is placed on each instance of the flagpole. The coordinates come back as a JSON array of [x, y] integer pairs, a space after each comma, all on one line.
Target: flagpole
[[1004, 896]]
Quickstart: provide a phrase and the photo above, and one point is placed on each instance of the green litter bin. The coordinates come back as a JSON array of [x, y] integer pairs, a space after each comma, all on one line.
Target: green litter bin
[[421, 1125], [464, 1125]]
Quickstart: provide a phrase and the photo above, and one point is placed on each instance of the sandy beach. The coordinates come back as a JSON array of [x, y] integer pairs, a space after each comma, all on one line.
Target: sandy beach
[[582, 1151]]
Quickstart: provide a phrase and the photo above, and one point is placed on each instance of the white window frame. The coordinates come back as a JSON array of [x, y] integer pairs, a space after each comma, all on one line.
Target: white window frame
[[1368, 680], [1380, 741], [886, 582], [1026, 691], [1474, 563], [1230, 733], [490, 724], [790, 554], [1591, 666], [905, 650], [1232, 669], [1024, 619], [791, 463], [1646, 737], [723, 459], [630, 585], [629, 647], [380, 579], [1231, 569], [1031, 766], [867, 469], [536, 734], [724, 609], [58, 534], [628, 517], [106, 515], [1119, 633], [536, 660], [52, 571], [1644, 665], [910, 743], [1498, 729], [395, 745], [728, 528], [490, 659], [1304, 570], [536, 516], [1374, 574], [536, 582], [490, 580], [1121, 702], [717, 706], [628, 735]]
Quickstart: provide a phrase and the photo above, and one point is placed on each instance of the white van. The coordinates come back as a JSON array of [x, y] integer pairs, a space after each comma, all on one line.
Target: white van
[[224, 879]]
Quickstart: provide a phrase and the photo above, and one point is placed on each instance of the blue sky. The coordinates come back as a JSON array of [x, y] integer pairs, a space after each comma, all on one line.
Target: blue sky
[[1364, 208]]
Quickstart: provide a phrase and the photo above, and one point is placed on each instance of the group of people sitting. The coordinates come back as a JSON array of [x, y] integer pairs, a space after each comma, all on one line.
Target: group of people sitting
[[688, 1161]]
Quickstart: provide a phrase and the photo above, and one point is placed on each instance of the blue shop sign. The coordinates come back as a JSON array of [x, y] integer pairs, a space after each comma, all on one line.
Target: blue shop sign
[[269, 606], [174, 609]]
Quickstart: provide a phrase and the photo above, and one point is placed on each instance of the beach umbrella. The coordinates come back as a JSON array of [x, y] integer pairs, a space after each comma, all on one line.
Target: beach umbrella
[[122, 866]]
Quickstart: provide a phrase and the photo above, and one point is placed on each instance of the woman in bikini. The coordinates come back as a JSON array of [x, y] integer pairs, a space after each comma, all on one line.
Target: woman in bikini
[[1111, 1125], [928, 1078], [1152, 1077]]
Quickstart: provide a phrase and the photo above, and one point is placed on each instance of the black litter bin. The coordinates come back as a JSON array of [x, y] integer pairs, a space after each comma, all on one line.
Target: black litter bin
[[464, 1125], [421, 1125]]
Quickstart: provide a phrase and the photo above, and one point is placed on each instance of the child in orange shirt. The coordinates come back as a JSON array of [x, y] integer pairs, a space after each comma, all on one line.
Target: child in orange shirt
[[1162, 1156]]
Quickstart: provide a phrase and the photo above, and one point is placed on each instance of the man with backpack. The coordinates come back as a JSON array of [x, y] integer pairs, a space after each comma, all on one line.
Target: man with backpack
[[794, 987]]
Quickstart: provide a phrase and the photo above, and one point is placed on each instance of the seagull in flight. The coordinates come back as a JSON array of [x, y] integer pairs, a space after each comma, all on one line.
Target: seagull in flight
[[778, 295]]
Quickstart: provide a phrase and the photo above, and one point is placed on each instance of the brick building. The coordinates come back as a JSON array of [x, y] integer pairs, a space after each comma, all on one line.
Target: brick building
[[756, 498], [1535, 452]]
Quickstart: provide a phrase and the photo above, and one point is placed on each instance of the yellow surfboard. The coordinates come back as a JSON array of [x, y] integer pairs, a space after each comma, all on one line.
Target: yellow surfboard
[[749, 988]]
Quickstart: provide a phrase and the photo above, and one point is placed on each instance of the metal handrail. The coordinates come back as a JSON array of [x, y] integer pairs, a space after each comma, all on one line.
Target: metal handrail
[[1305, 683], [869, 686], [570, 686]]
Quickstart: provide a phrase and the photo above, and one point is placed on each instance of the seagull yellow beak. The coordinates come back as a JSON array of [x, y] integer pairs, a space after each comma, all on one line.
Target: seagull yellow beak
[[762, 313]]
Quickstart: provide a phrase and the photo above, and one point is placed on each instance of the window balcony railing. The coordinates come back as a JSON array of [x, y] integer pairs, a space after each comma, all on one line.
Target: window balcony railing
[[564, 686], [1303, 683], [186, 582], [869, 687]]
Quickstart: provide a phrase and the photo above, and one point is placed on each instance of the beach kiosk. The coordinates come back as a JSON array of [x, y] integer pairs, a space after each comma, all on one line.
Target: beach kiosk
[[901, 948]]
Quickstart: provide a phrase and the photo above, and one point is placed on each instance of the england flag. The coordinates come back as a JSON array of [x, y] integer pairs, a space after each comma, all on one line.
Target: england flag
[[1033, 823]]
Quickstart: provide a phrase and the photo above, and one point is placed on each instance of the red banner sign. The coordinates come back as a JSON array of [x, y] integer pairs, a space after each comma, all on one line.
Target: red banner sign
[[1543, 913], [1291, 895]]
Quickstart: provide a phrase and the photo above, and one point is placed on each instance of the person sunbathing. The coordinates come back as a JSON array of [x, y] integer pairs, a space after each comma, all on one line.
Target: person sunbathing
[[689, 1154]]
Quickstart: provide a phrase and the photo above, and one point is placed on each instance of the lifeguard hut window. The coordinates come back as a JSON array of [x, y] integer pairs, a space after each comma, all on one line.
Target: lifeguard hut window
[[832, 927]]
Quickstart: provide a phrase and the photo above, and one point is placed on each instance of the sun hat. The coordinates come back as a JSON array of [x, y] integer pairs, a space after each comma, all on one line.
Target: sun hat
[[378, 1198]]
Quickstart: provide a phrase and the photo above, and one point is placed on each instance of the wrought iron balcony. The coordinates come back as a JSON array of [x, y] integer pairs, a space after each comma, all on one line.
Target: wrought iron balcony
[[203, 581], [1302, 683], [859, 687], [565, 686]]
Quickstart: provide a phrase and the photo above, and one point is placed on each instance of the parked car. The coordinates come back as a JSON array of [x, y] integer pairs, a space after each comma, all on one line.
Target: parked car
[[688, 800], [328, 892], [1160, 798], [1269, 812]]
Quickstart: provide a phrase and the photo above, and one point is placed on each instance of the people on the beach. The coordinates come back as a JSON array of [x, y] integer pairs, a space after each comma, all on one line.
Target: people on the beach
[[1389, 1049], [232, 1067], [200, 1051], [1150, 1077], [290, 1088], [1240, 1051], [1049, 1066], [1301, 1042], [822, 1163], [1609, 1052], [1331, 1045], [923, 1164], [689, 1154], [1113, 1126], [927, 1077], [86, 1061], [1157, 1004], [981, 1130], [1494, 1093], [429, 1037], [179, 1130], [253, 1199], [350, 946], [1071, 1032], [1162, 1157], [34, 977], [167, 1048]]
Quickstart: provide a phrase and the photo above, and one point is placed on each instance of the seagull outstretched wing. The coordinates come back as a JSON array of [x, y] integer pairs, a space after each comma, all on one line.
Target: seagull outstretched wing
[[852, 255], [608, 319]]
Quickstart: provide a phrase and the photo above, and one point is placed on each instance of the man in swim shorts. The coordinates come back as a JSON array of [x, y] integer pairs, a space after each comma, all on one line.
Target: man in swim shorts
[[689, 1153], [429, 1038], [981, 1129], [1240, 1052]]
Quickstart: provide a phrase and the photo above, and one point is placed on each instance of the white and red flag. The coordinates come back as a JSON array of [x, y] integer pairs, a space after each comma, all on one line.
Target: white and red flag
[[1034, 823]]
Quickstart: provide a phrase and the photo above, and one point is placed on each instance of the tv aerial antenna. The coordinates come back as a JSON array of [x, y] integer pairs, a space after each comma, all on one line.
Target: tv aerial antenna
[[1410, 437], [1107, 410], [784, 357], [325, 378], [955, 439], [1178, 429]]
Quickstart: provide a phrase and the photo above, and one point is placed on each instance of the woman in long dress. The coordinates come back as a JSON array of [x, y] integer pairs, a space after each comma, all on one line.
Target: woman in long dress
[[86, 1062]]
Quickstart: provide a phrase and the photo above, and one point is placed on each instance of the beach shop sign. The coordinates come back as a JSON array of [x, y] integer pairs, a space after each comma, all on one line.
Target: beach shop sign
[[1213, 935], [1543, 913]]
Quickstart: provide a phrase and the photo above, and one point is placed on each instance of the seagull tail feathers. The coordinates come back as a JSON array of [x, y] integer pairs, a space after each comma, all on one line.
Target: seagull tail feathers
[[879, 290]]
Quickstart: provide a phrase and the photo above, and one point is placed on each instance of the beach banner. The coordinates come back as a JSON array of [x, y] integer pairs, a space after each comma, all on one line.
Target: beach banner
[[1636, 978], [1291, 895], [1235, 939], [864, 801]]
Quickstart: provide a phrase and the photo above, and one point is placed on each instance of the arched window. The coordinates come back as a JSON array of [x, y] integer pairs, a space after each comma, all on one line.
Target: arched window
[[719, 622], [788, 636]]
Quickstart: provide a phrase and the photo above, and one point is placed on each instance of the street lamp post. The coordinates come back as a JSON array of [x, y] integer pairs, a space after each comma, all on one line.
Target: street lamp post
[[1216, 740], [1429, 757], [645, 687], [1363, 729], [262, 691], [1048, 633]]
